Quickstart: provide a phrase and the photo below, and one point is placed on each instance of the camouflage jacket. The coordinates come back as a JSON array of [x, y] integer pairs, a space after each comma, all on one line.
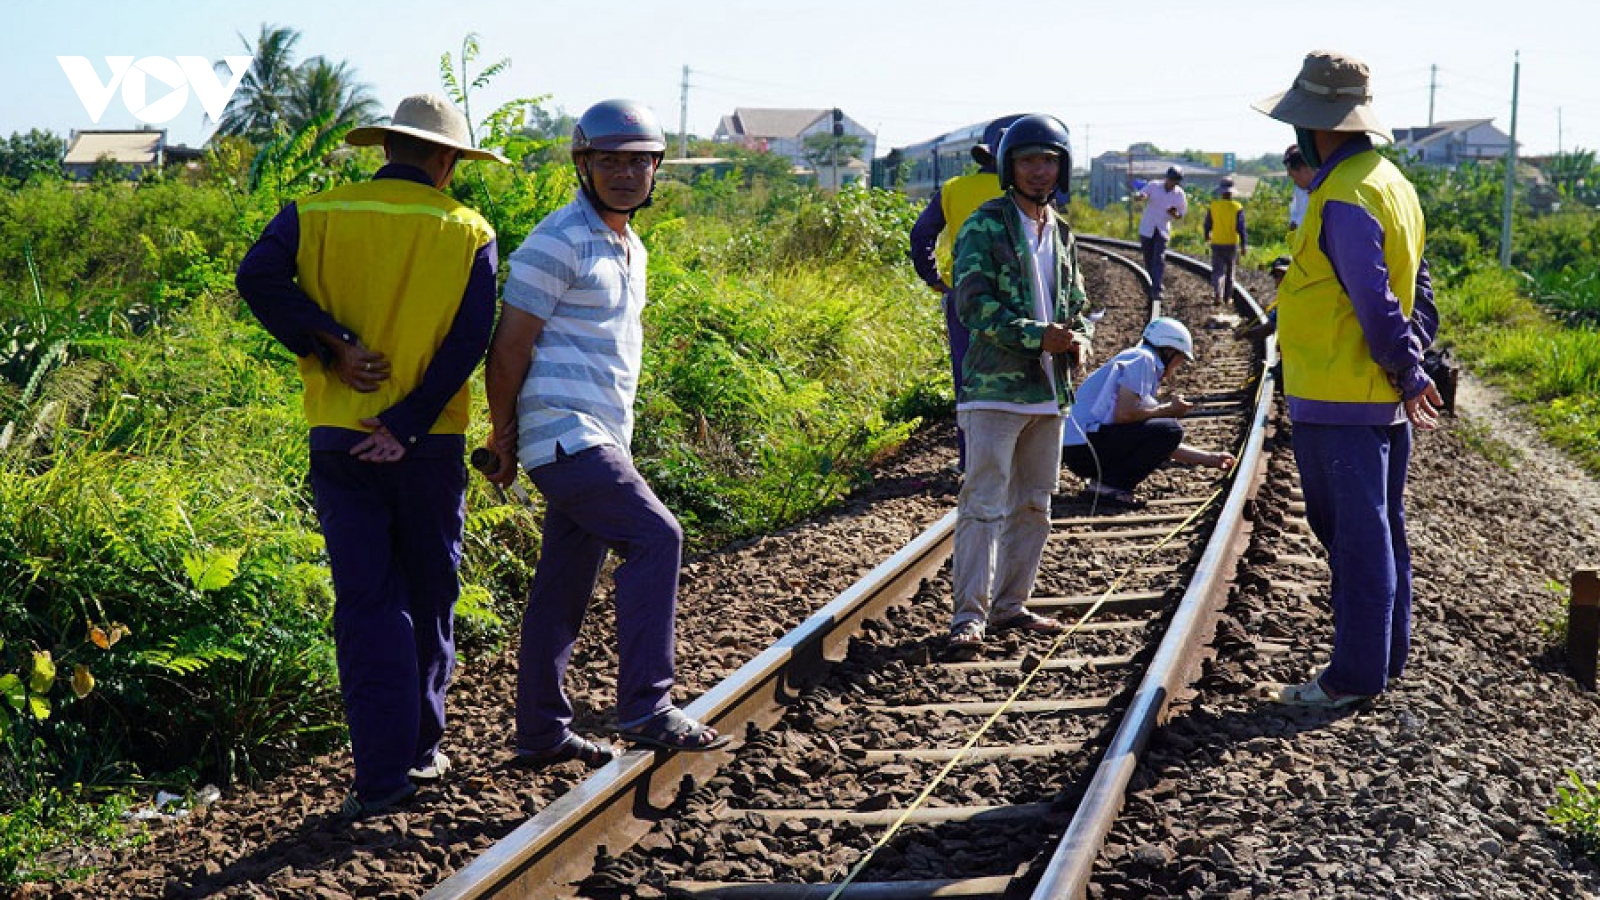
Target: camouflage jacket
[[994, 298]]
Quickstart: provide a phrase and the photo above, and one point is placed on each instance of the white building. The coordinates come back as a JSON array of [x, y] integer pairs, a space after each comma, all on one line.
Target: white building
[[1449, 143], [784, 131]]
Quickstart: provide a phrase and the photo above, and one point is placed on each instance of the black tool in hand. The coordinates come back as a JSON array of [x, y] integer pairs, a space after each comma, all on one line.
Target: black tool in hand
[[488, 462]]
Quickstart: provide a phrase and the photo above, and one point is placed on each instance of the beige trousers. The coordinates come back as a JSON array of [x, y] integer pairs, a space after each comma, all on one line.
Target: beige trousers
[[1003, 516]]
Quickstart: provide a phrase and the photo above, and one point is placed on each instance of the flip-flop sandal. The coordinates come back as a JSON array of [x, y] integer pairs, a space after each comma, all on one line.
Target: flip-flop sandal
[[1027, 620], [572, 747], [674, 730], [1311, 696], [966, 637]]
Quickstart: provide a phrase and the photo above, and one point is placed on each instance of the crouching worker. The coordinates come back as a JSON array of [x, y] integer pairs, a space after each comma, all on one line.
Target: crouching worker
[[1020, 293], [1118, 432], [385, 290]]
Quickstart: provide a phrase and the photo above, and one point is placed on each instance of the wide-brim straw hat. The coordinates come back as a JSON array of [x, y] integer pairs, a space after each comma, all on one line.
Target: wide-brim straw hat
[[430, 118], [1331, 93]]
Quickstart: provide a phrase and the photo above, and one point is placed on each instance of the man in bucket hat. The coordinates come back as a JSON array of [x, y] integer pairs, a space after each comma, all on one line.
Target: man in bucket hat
[[1355, 313], [385, 291], [933, 240]]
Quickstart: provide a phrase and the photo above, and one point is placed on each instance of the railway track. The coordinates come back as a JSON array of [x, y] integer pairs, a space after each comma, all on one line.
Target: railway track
[[870, 764]]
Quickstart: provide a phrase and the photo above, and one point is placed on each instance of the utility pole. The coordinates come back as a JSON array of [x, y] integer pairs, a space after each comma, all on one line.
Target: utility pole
[[1558, 130], [1088, 158], [1511, 166], [1433, 85], [683, 117], [1129, 188]]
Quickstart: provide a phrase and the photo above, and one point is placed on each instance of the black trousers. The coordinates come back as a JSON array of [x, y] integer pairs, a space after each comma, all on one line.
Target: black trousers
[[1121, 456]]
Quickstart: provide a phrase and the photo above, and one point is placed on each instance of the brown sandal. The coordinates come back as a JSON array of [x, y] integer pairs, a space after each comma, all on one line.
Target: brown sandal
[[572, 747], [1027, 620]]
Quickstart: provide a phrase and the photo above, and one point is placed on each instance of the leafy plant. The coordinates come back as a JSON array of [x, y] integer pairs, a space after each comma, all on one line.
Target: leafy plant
[[1576, 814], [38, 835]]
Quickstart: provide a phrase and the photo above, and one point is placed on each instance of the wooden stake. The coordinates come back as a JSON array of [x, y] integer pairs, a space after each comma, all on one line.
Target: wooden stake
[[1583, 626]]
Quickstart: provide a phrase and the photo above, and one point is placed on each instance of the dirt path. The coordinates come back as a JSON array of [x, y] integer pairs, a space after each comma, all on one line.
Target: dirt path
[[1481, 403]]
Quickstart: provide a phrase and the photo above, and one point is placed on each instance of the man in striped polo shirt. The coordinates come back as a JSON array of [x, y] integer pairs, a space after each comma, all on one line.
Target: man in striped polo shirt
[[562, 374], [385, 290]]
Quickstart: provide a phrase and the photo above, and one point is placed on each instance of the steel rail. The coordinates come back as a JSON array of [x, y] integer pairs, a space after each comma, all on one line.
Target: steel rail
[[621, 801], [1067, 875]]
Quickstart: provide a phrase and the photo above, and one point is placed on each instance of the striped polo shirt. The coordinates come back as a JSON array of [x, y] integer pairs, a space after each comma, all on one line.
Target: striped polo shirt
[[587, 283]]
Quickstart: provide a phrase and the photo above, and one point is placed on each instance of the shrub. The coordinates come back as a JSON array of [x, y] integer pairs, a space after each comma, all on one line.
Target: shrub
[[1576, 814]]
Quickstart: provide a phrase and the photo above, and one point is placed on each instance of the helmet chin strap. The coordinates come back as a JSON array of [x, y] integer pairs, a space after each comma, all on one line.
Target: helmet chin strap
[[1041, 200], [1036, 201]]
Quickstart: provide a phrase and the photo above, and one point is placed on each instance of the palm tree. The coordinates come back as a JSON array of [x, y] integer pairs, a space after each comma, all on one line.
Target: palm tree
[[259, 104], [324, 89]]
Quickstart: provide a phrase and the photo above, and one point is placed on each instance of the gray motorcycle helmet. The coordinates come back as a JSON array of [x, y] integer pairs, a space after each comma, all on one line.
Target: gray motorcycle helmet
[[623, 125]]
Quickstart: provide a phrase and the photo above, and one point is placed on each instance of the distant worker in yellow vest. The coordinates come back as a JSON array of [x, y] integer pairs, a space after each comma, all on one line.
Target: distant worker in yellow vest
[[1226, 234], [385, 290], [933, 239], [1355, 313]]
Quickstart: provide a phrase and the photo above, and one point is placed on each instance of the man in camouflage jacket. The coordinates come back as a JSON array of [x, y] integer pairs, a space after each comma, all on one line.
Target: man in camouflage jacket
[[1019, 291]]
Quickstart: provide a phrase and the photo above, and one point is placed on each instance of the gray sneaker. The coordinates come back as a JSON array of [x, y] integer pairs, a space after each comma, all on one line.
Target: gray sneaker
[[357, 807]]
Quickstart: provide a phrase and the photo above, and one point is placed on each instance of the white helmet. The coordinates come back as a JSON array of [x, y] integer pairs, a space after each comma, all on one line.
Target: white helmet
[[1168, 332]]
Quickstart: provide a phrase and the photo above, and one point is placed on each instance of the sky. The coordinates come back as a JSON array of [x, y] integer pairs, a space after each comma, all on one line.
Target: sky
[[1181, 76]]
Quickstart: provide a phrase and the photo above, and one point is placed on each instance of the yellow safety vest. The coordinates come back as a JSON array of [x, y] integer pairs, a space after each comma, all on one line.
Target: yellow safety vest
[[958, 198], [389, 259], [1325, 353], [1225, 221]]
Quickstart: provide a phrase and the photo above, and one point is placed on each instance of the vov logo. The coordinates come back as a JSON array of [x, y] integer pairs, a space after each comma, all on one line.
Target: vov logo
[[135, 77]]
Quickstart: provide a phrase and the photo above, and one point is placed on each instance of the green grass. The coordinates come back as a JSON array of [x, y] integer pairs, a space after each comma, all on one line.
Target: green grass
[[1553, 369], [1576, 814]]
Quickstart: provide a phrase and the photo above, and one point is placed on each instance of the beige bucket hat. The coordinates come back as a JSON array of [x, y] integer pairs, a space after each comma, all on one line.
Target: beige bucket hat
[[1330, 94], [430, 118]]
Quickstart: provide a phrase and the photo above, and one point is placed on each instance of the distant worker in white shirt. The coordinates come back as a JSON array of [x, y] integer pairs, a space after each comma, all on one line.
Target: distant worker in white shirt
[[1294, 162], [1165, 203]]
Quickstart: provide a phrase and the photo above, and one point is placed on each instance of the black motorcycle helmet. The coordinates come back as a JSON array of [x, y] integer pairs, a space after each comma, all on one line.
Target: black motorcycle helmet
[[1035, 132]]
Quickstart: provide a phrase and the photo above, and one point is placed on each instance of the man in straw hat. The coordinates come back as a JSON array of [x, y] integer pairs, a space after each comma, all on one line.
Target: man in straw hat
[[385, 291], [1355, 313], [933, 240]]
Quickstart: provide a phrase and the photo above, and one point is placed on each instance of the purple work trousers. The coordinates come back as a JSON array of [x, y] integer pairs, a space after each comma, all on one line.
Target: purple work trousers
[[1154, 248], [393, 532], [1354, 480], [596, 500]]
